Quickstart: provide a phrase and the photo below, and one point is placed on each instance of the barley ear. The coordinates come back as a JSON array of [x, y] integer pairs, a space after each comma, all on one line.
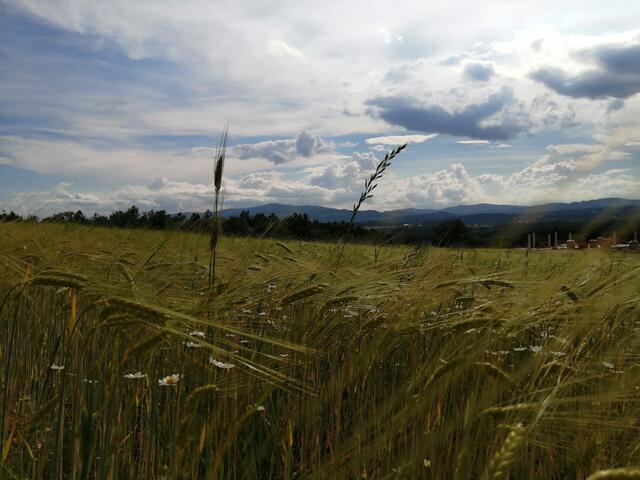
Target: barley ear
[[629, 473], [504, 458]]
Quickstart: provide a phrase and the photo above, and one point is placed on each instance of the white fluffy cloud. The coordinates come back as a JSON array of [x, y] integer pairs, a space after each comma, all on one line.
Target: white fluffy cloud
[[556, 176]]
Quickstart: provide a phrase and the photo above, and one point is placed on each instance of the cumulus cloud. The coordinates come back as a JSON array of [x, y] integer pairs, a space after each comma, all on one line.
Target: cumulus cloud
[[162, 193], [559, 175], [444, 187], [477, 120], [548, 112], [479, 72], [282, 151], [617, 74]]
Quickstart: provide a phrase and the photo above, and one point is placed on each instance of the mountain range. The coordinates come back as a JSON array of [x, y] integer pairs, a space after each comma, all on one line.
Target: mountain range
[[479, 214]]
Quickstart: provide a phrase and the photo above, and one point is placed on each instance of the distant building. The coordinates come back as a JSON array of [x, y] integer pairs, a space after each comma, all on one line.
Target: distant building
[[600, 242]]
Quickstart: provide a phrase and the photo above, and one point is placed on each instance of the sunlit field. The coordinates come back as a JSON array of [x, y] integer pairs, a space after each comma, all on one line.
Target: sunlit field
[[118, 361]]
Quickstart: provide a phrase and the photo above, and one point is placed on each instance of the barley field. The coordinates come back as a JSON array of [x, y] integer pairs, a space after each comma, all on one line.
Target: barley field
[[120, 361]]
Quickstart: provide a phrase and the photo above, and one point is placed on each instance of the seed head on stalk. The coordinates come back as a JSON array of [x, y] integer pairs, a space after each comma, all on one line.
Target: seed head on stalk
[[216, 224], [370, 185]]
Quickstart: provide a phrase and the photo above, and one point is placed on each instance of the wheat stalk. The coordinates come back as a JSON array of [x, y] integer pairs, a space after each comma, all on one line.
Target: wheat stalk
[[216, 224], [501, 462], [630, 473], [370, 185]]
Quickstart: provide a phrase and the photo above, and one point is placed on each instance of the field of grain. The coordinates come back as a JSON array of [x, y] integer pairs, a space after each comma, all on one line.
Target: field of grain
[[117, 361]]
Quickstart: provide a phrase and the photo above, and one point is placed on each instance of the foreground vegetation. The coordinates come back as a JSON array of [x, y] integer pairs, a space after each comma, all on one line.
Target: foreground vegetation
[[119, 361]]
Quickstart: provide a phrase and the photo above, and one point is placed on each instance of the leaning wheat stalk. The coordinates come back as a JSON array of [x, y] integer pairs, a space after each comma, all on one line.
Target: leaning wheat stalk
[[629, 473], [370, 185], [216, 224]]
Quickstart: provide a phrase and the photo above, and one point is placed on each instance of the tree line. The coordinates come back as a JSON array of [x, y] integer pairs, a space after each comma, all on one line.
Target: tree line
[[298, 226], [450, 233]]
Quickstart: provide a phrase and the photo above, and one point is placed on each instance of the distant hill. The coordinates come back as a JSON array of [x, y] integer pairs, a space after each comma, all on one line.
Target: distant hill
[[484, 208], [327, 214], [480, 214]]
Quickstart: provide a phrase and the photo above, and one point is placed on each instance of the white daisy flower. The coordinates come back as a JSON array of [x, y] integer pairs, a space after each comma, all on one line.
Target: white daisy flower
[[197, 333], [169, 380], [56, 367], [189, 344], [225, 366], [136, 375]]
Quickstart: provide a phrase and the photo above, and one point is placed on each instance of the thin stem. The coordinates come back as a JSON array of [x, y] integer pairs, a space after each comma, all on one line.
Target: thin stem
[[369, 186]]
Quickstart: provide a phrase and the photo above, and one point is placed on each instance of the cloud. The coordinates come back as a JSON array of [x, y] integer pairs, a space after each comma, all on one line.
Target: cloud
[[592, 84], [452, 60], [400, 139], [617, 74], [283, 151], [586, 157], [555, 177], [622, 59], [479, 72], [473, 121], [280, 48], [484, 142], [615, 105], [378, 148], [549, 113], [442, 188]]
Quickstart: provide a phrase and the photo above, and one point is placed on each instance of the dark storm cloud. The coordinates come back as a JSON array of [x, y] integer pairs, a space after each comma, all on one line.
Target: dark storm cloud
[[410, 114], [617, 74], [479, 72], [620, 59]]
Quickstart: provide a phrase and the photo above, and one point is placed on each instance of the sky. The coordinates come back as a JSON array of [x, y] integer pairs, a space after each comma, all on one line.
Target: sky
[[113, 103]]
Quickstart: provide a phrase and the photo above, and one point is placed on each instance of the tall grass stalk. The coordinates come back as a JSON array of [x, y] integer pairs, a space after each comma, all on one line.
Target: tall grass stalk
[[370, 184], [216, 223]]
